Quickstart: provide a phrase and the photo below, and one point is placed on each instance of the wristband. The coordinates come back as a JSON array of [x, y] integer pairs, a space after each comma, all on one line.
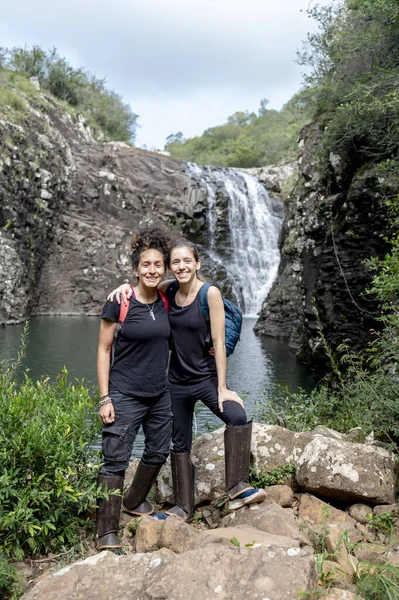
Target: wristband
[[106, 400]]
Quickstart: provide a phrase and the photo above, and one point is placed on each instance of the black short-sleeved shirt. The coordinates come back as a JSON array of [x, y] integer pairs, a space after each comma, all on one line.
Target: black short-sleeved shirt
[[190, 360], [142, 349]]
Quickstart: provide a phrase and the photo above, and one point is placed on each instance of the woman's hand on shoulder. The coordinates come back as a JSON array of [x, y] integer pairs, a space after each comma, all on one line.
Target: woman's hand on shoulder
[[226, 394], [123, 292]]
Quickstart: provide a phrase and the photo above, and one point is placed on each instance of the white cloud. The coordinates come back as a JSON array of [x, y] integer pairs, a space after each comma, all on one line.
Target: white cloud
[[181, 64]]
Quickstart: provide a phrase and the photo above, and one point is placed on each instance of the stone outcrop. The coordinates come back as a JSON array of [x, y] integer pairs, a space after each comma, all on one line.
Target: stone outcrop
[[265, 550], [68, 207], [327, 466], [328, 236], [348, 471], [277, 179], [212, 571]]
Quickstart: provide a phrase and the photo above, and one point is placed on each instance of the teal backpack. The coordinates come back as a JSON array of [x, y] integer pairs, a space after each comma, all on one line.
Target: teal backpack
[[232, 316]]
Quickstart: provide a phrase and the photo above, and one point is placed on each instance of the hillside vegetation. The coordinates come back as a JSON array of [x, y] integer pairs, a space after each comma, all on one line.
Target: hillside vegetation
[[353, 86], [354, 94], [247, 139], [82, 92]]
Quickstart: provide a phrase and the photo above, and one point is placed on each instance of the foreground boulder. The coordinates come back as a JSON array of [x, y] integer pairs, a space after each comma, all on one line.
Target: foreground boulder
[[214, 571], [325, 465], [348, 471]]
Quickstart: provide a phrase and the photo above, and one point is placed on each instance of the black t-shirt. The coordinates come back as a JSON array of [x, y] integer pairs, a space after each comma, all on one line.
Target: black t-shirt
[[142, 349], [190, 360]]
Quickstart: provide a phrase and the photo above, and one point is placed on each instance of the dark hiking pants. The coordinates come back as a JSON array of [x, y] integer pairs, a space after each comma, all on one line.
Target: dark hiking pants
[[184, 398], [154, 414]]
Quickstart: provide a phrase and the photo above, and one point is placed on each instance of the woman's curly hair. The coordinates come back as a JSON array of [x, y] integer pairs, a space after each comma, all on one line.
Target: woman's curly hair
[[150, 238]]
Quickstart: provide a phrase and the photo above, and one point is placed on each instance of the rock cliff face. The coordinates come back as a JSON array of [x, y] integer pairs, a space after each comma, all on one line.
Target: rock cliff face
[[327, 238], [69, 206]]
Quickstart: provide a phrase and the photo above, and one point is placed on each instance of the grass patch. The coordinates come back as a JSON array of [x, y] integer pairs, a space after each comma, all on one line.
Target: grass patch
[[277, 476], [9, 587], [378, 582], [10, 98]]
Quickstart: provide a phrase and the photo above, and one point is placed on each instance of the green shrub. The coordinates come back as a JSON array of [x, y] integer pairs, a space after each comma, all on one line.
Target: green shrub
[[384, 523], [9, 587], [48, 474], [378, 582], [12, 99], [279, 475], [363, 394], [352, 79]]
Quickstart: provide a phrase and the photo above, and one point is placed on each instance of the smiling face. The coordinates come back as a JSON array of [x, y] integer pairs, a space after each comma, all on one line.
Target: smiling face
[[151, 268], [183, 264]]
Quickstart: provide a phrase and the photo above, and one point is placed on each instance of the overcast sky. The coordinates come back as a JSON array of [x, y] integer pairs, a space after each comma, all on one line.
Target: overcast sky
[[182, 65]]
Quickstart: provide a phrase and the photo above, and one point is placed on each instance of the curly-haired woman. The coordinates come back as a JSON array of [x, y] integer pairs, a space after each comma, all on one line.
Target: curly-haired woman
[[134, 391]]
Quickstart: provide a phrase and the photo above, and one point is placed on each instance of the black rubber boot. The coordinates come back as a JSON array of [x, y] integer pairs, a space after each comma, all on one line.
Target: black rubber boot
[[134, 500], [108, 513], [237, 446], [183, 485]]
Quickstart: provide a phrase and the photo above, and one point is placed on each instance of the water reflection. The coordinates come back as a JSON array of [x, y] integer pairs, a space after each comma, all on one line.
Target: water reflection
[[257, 364], [256, 367]]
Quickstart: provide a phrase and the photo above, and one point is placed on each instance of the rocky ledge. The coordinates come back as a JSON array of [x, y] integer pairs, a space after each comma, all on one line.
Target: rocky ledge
[[329, 233], [340, 494]]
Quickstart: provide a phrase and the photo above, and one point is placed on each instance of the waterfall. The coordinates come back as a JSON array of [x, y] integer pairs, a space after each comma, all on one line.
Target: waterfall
[[242, 232]]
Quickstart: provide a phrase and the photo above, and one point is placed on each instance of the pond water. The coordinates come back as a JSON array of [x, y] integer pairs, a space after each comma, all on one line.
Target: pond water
[[256, 366]]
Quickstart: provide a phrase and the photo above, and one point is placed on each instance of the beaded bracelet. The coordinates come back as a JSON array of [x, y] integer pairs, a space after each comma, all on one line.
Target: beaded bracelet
[[107, 400]]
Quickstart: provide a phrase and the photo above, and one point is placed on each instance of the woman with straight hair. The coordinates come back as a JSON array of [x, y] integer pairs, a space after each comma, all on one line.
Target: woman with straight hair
[[195, 374]]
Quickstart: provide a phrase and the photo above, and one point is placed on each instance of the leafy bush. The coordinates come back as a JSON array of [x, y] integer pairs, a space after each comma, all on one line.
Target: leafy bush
[[384, 523], [363, 394], [352, 83], [279, 475], [104, 109], [9, 587], [48, 475]]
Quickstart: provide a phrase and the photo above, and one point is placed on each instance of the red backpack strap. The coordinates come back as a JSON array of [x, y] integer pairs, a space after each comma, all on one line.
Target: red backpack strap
[[123, 312], [165, 300], [124, 308]]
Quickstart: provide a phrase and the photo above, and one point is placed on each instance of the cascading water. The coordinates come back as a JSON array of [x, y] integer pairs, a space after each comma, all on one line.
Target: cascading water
[[243, 232]]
